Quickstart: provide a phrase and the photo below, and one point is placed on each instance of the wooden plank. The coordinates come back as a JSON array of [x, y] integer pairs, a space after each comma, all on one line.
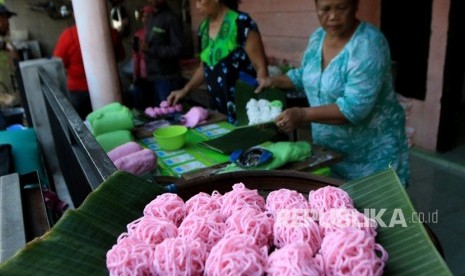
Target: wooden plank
[[321, 157], [12, 230], [35, 211]]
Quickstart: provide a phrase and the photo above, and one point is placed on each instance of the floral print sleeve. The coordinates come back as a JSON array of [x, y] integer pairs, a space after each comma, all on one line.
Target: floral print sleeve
[[245, 24]]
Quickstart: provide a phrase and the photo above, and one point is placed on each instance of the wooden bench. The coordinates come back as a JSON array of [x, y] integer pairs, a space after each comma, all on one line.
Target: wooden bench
[[12, 231], [23, 214]]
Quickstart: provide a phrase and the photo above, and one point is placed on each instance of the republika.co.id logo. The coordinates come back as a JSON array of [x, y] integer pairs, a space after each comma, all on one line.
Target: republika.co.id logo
[[341, 217]]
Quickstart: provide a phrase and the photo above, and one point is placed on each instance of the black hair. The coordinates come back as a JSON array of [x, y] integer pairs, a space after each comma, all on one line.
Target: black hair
[[232, 4]]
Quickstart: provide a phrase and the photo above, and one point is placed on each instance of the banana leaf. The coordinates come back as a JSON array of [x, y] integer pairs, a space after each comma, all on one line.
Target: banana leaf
[[403, 235], [78, 243]]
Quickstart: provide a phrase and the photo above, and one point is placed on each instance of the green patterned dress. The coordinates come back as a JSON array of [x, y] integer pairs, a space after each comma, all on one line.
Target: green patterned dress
[[224, 57]]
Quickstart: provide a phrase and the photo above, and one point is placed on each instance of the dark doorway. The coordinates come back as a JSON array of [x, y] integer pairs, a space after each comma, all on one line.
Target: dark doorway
[[452, 122], [407, 27]]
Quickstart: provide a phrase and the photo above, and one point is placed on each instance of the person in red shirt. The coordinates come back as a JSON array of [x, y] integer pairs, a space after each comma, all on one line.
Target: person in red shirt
[[69, 50]]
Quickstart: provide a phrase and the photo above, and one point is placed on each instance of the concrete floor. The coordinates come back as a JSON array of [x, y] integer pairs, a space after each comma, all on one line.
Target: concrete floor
[[437, 183]]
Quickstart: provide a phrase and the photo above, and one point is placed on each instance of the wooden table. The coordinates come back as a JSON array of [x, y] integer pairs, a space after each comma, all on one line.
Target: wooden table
[[320, 157], [213, 117]]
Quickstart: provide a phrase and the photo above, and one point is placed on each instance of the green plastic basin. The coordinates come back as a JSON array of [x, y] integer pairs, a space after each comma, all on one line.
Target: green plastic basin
[[170, 137]]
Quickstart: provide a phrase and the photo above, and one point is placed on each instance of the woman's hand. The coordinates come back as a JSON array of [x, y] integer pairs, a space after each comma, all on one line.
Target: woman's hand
[[263, 83], [176, 96], [290, 119], [281, 82]]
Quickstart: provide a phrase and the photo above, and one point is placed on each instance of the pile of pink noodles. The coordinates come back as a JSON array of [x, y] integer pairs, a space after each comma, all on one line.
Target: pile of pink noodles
[[163, 109], [241, 233]]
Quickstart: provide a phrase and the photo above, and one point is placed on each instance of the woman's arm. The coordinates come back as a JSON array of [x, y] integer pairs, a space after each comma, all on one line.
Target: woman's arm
[[295, 117], [196, 80], [256, 53], [281, 82], [326, 114]]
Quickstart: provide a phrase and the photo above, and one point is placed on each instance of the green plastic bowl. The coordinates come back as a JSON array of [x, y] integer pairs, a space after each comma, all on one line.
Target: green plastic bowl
[[170, 137]]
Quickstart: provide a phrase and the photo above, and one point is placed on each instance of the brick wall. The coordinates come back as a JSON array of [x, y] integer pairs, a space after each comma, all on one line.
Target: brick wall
[[286, 25]]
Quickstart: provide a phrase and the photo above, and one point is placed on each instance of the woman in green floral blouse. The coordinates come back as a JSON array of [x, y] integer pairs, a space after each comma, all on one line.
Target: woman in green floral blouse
[[230, 43]]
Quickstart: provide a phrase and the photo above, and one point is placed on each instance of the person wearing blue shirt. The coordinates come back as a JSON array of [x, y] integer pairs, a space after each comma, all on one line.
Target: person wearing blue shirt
[[346, 75]]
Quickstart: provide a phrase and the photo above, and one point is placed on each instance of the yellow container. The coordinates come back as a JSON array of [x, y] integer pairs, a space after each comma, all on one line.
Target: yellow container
[[170, 137]]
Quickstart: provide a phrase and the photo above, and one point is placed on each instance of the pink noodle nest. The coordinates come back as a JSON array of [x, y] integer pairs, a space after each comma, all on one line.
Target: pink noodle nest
[[252, 222], [323, 199], [236, 255], [294, 260], [208, 226], [297, 227], [169, 206], [231, 235], [130, 256], [285, 199], [239, 198], [203, 202], [152, 230], [179, 256], [335, 219], [351, 251]]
